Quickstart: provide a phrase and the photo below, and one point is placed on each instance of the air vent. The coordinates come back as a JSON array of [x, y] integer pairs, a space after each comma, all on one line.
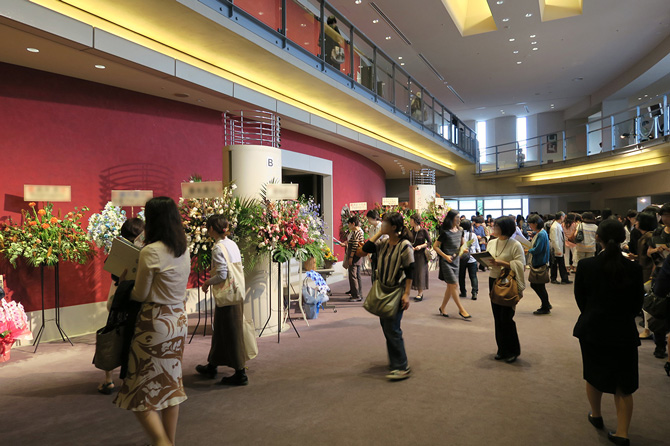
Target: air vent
[[454, 92], [432, 68], [390, 23]]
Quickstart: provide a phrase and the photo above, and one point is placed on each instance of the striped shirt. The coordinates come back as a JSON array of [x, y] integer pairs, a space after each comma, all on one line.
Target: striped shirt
[[355, 240]]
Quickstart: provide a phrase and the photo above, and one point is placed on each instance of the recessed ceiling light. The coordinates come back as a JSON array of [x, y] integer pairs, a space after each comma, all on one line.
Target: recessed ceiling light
[[516, 52], [261, 13], [518, 62], [533, 43], [535, 49], [388, 37], [529, 15], [402, 64], [532, 36], [100, 67], [399, 57], [375, 21], [646, 95], [33, 50], [639, 99], [512, 39], [505, 20], [358, 2], [500, 2]]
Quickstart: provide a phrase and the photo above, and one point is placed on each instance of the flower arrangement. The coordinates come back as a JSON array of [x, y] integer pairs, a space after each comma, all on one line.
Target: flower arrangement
[[45, 239], [13, 325], [103, 227], [195, 212]]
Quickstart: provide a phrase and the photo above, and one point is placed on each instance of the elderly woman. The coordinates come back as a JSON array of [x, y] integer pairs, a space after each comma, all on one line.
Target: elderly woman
[[609, 293], [539, 251], [508, 253]]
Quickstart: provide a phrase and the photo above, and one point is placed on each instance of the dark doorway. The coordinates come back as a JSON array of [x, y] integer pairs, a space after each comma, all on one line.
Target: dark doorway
[[308, 185]]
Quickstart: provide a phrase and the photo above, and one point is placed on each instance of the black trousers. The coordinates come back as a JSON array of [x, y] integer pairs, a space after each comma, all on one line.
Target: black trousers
[[471, 269], [559, 263], [507, 337], [541, 290]]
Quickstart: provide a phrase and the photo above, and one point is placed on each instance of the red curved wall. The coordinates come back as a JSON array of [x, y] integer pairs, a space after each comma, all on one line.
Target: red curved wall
[[60, 130]]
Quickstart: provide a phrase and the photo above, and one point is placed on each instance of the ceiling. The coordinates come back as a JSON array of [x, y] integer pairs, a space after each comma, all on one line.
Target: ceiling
[[575, 56]]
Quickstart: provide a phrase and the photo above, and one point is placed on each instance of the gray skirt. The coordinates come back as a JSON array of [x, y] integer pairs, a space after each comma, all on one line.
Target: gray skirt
[[449, 271], [420, 279]]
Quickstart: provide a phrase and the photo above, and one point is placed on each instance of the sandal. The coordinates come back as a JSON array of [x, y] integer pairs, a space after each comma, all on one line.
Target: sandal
[[106, 388]]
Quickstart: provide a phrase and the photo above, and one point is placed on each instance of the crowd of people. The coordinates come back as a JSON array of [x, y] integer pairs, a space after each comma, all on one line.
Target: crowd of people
[[632, 253]]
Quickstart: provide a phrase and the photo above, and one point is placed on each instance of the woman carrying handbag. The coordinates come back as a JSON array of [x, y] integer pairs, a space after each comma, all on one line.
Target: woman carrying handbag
[[509, 256], [539, 271], [389, 296]]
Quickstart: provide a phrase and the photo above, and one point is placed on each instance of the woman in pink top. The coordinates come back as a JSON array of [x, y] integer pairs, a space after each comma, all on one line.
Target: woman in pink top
[[569, 228]]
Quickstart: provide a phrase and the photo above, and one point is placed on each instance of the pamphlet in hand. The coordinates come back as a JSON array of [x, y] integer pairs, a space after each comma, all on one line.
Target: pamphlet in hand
[[484, 258], [123, 256], [465, 247]]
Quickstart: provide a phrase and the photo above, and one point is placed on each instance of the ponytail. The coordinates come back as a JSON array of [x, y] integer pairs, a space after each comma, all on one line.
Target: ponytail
[[611, 234]]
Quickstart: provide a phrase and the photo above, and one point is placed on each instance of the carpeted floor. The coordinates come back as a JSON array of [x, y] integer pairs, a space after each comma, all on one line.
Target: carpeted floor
[[328, 387]]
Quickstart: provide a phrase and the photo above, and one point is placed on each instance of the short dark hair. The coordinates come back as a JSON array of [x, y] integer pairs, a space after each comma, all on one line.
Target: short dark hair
[[372, 213], [416, 218], [131, 228], [466, 225], [353, 220], [646, 221], [448, 222], [652, 208], [632, 213], [536, 220], [665, 209], [164, 224], [218, 223], [606, 213], [479, 219], [559, 214], [550, 217], [588, 216], [506, 224]]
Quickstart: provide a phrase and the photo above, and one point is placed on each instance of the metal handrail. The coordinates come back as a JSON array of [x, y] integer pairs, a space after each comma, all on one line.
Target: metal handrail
[[444, 124], [246, 127]]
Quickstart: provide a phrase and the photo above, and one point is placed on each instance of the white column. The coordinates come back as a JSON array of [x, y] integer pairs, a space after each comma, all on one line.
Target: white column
[[251, 167]]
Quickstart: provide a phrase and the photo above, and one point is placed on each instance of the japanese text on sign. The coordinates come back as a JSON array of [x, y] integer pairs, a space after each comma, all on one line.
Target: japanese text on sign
[[131, 197], [390, 201], [33, 192], [204, 189], [360, 206], [282, 191]]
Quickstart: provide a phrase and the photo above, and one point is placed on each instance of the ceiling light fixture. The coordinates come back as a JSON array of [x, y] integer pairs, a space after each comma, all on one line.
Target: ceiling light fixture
[[358, 2], [532, 36], [505, 20], [261, 13], [304, 25], [516, 52], [399, 57], [518, 62], [33, 50], [529, 15], [388, 37], [533, 43], [375, 21], [535, 49], [500, 2], [100, 67], [512, 39], [402, 64]]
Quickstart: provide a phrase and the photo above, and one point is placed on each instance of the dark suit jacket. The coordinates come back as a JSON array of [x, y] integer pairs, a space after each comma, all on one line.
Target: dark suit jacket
[[608, 304]]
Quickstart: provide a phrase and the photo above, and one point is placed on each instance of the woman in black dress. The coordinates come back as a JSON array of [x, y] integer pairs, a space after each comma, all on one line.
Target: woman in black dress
[[609, 292], [420, 242], [447, 247]]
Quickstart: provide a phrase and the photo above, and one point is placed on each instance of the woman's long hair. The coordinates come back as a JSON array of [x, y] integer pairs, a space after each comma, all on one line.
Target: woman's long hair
[[395, 219], [612, 234], [164, 224], [448, 222]]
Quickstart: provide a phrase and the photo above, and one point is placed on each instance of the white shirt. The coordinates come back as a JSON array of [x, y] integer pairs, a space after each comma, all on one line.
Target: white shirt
[[557, 238], [161, 277], [510, 251]]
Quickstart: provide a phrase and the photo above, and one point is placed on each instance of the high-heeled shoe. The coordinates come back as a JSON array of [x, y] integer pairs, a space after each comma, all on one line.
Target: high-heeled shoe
[[441, 313], [618, 440], [667, 368], [597, 422], [463, 316]]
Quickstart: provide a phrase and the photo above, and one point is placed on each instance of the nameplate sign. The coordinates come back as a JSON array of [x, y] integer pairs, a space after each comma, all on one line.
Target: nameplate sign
[[360, 206], [390, 201], [202, 189], [35, 192], [281, 192], [439, 201], [131, 197]]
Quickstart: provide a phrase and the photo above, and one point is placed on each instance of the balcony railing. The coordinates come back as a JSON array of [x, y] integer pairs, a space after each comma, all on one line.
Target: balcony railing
[[645, 125], [316, 33]]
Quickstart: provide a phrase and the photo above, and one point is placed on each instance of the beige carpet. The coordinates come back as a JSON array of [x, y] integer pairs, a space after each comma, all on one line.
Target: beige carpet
[[328, 387]]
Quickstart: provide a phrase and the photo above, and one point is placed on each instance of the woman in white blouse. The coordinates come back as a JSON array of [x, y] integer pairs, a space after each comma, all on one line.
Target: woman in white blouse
[[228, 347], [153, 387], [508, 253]]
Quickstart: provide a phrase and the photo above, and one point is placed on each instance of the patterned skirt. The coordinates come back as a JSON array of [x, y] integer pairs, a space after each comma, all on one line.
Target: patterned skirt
[[154, 379]]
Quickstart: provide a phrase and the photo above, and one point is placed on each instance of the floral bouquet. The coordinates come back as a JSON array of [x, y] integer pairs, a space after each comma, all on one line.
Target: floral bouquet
[[13, 325], [45, 239], [195, 212], [103, 227]]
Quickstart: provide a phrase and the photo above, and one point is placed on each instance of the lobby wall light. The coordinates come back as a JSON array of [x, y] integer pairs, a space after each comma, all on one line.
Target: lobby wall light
[[303, 25], [100, 67], [261, 13], [33, 50]]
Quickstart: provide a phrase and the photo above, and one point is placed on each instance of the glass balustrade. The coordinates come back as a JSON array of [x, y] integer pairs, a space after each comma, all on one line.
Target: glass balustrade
[[321, 34]]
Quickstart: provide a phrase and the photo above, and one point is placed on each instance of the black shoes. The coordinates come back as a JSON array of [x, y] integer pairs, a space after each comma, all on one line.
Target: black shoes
[[463, 294], [618, 440], [418, 298], [566, 282], [660, 353], [355, 299], [507, 359], [597, 422], [542, 311], [238, 379], [208, 371], [555, 282], [464, 317], [348, 292], [441, 313], [511, 359], [474, 296]]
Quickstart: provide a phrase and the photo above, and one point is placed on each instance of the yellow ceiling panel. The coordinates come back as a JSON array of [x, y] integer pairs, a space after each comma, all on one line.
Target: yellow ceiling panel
[[559, 9], [471, 16]]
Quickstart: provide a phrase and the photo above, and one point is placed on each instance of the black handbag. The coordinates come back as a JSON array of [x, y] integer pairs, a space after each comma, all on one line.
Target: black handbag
[[579, 236], [656, 306], [539, 274], [108, 348]]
